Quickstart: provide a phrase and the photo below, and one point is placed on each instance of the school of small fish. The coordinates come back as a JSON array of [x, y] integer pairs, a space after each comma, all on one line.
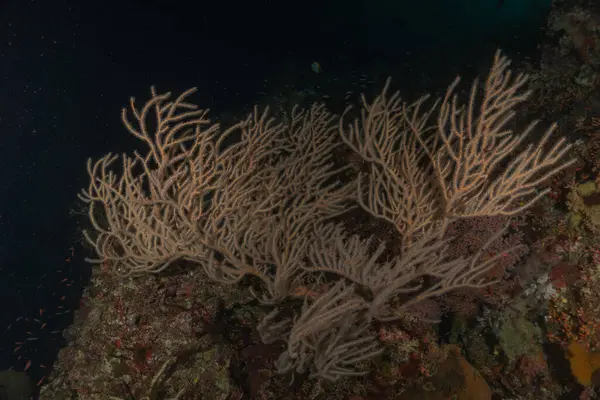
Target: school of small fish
[[39, 330]]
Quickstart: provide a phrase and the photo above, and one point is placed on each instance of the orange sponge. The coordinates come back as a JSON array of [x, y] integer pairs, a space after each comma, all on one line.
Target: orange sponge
[[583, 362]]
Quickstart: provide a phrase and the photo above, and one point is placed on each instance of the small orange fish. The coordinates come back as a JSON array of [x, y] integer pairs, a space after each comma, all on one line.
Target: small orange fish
[[27, 365], [40, 381]]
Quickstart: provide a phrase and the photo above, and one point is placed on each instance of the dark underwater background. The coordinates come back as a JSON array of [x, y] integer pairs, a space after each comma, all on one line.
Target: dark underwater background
[[68, 67]]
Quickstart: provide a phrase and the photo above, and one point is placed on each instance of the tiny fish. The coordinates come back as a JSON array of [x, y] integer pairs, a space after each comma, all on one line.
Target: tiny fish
[[316, 67]]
